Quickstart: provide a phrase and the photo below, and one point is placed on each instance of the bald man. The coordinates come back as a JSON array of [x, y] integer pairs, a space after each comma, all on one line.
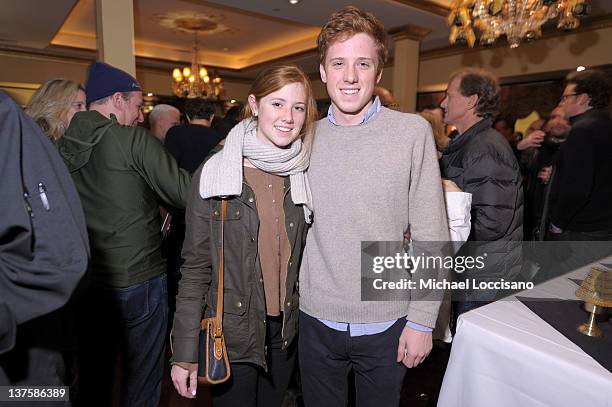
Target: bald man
[[162, 118]]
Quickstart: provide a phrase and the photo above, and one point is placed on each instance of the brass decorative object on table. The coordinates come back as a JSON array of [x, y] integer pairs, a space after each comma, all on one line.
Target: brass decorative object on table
[[596, 291]]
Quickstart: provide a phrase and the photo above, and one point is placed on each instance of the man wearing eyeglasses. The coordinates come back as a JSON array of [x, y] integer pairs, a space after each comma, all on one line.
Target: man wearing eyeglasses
[[582, 188]]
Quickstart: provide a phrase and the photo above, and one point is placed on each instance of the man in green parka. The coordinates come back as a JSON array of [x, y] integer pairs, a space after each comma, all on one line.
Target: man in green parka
[[121, 174]]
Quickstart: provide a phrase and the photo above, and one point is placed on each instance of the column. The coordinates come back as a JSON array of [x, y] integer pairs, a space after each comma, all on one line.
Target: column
[[406, 65], [115, 33]]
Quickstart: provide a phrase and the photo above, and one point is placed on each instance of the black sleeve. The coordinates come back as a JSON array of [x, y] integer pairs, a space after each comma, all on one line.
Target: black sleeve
[[494, 186], [171, 143], [574, 178], [196, 275]]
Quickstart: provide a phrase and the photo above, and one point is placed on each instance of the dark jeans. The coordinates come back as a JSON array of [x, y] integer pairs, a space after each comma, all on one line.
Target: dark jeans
[[327, 356], [250, 385], [128, 321]]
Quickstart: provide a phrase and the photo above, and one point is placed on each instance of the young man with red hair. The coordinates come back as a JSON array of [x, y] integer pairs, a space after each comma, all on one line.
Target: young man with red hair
[[374, 175]]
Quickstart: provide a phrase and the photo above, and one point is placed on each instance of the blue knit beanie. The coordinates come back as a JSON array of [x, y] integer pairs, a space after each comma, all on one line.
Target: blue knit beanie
[[103, 80]]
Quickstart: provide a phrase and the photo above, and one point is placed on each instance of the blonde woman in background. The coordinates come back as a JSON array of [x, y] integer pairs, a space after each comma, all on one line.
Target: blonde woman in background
[[439, 132], [54, 104]]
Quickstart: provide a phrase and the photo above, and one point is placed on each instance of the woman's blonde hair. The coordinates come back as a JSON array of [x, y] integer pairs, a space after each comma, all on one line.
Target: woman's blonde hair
[[50, 104], [274, 78], [442, 140]]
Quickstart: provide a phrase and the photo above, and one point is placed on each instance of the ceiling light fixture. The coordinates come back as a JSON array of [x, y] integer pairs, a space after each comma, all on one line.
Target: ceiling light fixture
[[518, 20], [294, 2], [196, 81], [580, 68]]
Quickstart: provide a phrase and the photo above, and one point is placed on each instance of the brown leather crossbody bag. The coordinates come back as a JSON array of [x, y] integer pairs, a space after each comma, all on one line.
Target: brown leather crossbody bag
[[213, 363]]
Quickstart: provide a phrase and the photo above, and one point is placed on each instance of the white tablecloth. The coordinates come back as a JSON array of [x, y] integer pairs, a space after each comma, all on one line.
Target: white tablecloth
[[505, 355]]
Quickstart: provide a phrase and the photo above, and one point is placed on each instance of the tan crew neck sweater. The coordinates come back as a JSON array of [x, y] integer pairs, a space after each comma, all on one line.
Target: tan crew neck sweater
[[369, 183]]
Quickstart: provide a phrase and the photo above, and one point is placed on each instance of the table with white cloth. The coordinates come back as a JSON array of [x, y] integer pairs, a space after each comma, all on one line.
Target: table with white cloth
[[505, 355]]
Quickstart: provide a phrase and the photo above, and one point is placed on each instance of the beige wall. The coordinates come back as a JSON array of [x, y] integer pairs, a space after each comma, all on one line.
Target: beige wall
[[39, 69], [19, 72], [19, 92], [318, 89], [20, 75], [589, 48]]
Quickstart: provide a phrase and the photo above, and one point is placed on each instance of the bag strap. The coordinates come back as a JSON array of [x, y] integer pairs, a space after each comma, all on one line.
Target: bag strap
[[219, 325]]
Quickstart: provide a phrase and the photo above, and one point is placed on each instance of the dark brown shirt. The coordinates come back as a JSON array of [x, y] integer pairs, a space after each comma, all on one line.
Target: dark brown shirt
[[273, 243]]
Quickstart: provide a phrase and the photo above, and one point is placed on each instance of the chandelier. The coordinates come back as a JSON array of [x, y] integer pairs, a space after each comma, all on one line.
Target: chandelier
[[518, 20], [196, 81]]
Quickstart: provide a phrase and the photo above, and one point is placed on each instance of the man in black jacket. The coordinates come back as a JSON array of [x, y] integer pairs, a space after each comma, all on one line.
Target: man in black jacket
[[581, 207], [44, 251], [539, 152], [480, 161], [191, 143]]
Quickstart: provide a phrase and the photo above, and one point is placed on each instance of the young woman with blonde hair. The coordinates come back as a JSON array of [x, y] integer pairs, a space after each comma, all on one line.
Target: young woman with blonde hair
[[53, 105], [260, 173], [437, 127]]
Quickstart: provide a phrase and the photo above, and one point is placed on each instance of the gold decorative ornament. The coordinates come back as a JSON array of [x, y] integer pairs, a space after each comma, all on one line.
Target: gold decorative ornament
[[518, 20], [596, 291]]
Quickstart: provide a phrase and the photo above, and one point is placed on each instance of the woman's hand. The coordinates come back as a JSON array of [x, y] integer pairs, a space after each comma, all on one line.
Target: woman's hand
[[534, 139], [185, 382], [450, 186], [544, 174]]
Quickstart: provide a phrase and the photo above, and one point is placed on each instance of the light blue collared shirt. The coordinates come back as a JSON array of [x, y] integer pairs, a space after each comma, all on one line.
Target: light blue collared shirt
[[372, 328], [372, 110]]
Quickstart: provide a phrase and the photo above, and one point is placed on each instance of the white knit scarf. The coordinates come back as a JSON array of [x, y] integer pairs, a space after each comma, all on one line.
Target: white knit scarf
[[222, 174]]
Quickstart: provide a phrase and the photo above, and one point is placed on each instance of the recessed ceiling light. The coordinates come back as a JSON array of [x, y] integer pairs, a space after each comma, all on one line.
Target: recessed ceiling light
[[580, 68], [233, 101], [294, 2], [149, 94]]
